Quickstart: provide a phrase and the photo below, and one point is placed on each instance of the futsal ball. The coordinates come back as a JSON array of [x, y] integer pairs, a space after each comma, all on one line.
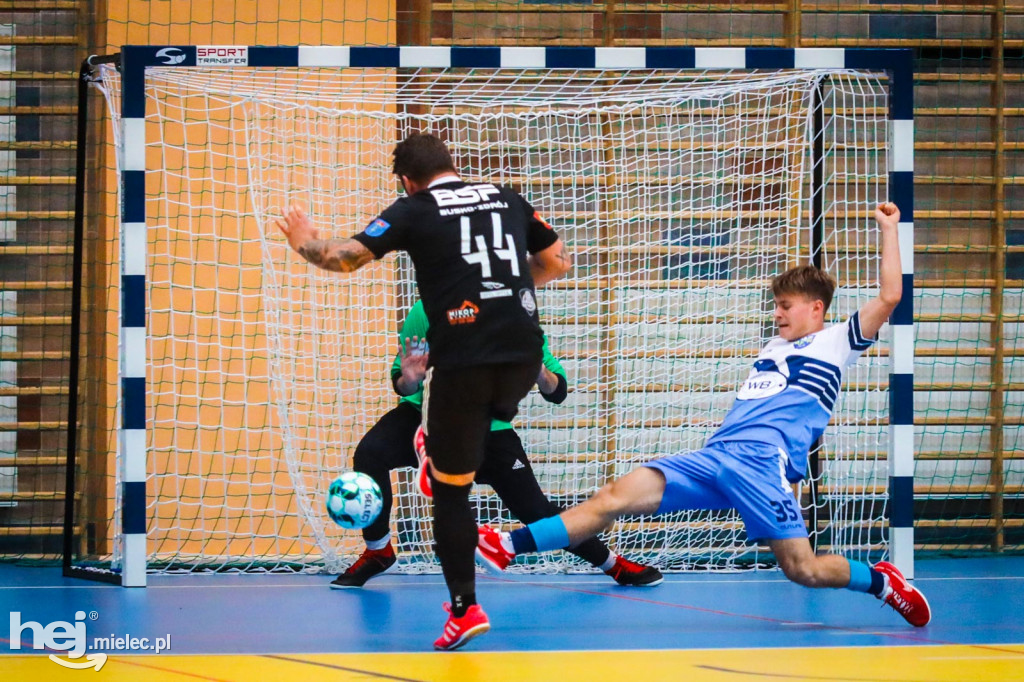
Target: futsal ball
[[354, 500]]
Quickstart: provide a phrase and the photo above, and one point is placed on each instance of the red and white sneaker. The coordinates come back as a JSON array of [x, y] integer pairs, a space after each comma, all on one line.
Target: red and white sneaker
[[458, 631], [419, 444], [908, 601], [491, 552]]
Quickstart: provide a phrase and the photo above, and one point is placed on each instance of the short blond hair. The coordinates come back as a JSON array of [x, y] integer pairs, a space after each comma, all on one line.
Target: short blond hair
[[805, 280]]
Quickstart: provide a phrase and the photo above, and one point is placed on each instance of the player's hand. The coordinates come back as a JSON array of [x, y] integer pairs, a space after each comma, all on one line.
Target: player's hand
[[413, 360], [547, 381], [887, 215], [296, 226]]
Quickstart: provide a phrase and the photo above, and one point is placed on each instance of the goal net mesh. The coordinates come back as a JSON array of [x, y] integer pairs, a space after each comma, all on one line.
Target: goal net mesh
[[679, 193]]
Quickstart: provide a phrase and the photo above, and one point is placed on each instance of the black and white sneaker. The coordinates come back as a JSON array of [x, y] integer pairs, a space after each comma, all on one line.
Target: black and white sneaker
[[631, 574]]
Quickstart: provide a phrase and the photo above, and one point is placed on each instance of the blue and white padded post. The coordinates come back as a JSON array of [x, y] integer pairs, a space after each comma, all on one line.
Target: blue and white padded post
[[132, 342], [899, 64], [901, 360]]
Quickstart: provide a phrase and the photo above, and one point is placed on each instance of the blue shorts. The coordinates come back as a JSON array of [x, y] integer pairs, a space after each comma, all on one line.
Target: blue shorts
[[749, 477]]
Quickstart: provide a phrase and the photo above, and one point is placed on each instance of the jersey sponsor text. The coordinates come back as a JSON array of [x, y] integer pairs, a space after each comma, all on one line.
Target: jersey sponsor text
[[464, 196], [761, 385], [464, 314]]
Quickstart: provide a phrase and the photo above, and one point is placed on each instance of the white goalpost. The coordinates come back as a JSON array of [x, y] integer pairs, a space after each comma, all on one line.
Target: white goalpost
[[681, 187]]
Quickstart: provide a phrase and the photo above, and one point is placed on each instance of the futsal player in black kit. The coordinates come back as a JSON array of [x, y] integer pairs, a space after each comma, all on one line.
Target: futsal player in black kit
[[479, 250], [506, 468]]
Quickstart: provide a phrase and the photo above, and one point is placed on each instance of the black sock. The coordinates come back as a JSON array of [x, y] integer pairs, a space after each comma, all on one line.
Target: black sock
[[522, 540], [461, 603], [455, 536], [877, 583]]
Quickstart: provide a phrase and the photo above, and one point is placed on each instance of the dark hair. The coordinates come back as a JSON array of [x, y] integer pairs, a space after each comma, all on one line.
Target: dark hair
[[806, 280], [422, 156]]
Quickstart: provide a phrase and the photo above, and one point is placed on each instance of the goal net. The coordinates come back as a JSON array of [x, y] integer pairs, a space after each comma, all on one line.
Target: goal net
[[679, 193]]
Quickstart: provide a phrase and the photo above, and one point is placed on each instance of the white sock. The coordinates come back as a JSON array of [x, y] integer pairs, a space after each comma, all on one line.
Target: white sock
[[506, 542], [609, 562], [379, 544]]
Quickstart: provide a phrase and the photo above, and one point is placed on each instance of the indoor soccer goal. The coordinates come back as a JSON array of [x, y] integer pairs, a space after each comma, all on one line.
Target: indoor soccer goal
[[681, 179]]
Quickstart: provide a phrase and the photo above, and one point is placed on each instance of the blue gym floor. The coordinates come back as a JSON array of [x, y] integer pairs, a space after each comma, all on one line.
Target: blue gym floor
[[977, 602]]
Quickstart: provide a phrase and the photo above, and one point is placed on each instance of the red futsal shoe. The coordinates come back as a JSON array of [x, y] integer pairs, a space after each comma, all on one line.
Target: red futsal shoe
[[458, 631], [491, 553], [419, 444], [907, 600]]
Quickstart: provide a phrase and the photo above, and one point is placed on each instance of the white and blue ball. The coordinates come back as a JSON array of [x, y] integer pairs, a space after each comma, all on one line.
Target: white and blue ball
[[354, 500]]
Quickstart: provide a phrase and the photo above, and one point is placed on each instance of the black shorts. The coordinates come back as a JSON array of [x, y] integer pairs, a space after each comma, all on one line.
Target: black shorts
[[459, 404]]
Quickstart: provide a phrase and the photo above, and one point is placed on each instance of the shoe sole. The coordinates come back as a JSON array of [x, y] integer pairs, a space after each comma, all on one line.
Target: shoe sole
[[653, 583], [335, 586], [925, 600], [485, 563], [474, 631]]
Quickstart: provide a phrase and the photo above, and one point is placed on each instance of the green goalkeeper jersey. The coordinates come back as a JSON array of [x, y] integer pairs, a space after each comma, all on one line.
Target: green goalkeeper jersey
[[416, 325]]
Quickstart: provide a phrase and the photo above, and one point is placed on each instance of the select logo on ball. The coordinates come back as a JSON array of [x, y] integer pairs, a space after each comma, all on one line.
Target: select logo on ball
[[354, 500]]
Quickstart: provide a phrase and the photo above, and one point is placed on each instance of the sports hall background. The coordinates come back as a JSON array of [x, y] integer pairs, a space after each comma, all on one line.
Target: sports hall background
[[969, 218]]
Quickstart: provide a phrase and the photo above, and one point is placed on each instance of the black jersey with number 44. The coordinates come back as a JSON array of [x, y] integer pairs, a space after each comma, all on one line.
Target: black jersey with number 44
[[469, 243]]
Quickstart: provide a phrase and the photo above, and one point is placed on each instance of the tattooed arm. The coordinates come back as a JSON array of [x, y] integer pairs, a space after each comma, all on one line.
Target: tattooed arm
[[336, 255], [550, 263]]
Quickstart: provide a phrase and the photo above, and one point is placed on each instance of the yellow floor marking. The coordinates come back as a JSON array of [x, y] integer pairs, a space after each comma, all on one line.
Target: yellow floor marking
[[834, 664]]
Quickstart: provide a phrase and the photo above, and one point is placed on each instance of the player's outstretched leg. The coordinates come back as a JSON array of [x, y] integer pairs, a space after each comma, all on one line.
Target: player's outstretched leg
[[638, 492], [496, 550], [883, 580], [508, 471]]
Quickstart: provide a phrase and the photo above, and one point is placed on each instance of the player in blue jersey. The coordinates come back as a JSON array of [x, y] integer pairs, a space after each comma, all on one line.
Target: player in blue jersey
[[761, 447]]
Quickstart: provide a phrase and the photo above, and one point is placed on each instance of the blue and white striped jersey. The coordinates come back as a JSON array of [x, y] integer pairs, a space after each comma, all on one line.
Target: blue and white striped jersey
[[788, 397]]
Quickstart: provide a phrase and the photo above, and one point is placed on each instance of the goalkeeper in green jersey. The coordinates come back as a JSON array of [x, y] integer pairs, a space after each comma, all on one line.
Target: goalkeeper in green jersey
[[506, 468]]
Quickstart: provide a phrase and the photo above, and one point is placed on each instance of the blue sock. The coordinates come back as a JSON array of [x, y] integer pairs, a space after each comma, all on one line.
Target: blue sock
[[541, 536], [863, 578]]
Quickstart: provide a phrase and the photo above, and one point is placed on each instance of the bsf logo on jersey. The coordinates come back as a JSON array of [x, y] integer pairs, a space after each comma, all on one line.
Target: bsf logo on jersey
[[377, 227], [464, 196], [464, 314]]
